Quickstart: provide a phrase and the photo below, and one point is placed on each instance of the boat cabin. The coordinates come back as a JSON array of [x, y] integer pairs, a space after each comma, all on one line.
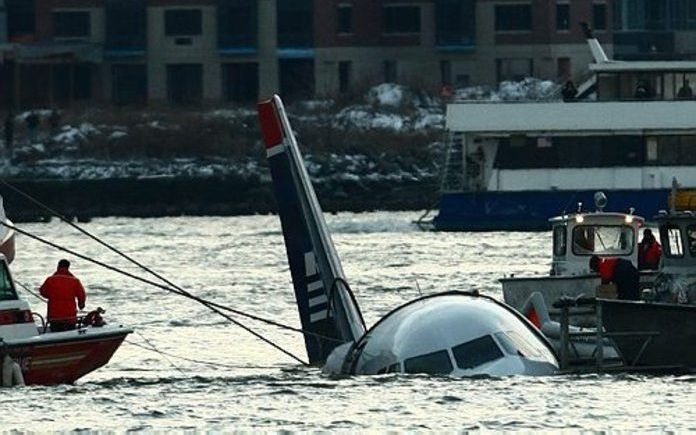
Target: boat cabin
[[579, 236], [645, 80], [678, 238]]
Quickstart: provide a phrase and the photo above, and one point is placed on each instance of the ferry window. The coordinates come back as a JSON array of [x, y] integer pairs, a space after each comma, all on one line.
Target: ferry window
[[602, 240], [436, 363], [691, 236], [476, 352], [559, 241], [7, 291], [672, 242]]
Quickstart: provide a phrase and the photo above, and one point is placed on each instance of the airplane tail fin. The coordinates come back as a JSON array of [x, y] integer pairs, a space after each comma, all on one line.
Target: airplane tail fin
[[328, 310]]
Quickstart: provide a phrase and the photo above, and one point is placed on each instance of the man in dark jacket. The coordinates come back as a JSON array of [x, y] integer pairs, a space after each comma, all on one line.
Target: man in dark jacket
[[62, 289], [620, 272], [649, 252]]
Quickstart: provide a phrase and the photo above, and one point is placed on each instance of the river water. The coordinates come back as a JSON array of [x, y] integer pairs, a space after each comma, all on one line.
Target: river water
[[240, 261]]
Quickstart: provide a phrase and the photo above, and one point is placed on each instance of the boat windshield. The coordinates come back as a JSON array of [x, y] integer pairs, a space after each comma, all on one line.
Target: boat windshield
[[603, 240], [7, 291]]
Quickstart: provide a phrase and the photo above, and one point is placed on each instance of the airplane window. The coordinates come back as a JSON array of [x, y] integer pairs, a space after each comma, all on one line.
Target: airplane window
[[436, 363], [476, 352], [515, 344]]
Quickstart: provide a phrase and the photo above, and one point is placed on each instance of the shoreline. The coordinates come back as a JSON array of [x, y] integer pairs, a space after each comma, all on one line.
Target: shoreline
[[150, 197]]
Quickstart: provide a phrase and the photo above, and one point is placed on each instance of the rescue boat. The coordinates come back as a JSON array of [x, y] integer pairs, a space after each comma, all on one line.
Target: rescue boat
[[45, 357]]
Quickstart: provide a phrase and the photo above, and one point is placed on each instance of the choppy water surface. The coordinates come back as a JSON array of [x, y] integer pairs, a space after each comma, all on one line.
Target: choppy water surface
[[241, 262]]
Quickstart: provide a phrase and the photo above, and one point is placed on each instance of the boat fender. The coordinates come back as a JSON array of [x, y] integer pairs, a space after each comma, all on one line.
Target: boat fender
[[11, 371]]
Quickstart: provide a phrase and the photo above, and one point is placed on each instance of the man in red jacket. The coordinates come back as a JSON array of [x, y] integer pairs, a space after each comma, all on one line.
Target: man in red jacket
[[649, 252], [620, 272], [62, 289]]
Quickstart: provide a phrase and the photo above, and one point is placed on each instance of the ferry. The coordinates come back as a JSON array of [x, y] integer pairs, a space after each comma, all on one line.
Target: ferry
[[627, 130]]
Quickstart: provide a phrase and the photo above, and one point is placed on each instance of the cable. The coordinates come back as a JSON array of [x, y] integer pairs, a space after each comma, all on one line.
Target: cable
[[157, 275], [158, 285]]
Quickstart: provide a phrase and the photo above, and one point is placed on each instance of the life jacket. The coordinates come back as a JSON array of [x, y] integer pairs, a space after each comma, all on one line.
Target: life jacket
[[649, 255], [62, 289], [607, 267]]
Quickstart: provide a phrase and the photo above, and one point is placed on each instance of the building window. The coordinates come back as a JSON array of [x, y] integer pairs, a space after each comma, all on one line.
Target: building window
[[185, 84], [73, 24], [562, 16], [455, 23], [513, 17], [125, 24], [401, 19], [599, 16], [563, 68], [345, 18], [182, 22], [21, 18], [237, 23], [344, 73], [296, 78], [241, 82], [295, 23], [514, 69], [445, 72], [129, 84], [390, 72]]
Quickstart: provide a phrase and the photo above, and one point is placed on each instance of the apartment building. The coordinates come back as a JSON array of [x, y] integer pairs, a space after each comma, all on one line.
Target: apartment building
[[192, 52]]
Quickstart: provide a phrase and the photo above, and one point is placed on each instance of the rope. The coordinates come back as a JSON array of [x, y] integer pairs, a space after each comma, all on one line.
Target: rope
[[151, 347], [179, 289], [158, 285]]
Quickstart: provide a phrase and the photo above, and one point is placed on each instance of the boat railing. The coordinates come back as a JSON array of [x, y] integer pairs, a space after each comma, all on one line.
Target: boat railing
[[590, 306]]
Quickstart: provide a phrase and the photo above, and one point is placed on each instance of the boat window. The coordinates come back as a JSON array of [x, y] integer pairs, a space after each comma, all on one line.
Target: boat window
[[603, 240], [476, 352], [436, 363], [691, 235], [559, 240], [7, 291], [673, 245], [389, 369]]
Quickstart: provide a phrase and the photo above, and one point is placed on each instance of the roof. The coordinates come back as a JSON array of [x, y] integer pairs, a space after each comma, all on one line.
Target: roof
[[576, 118], [644, 66], [598, 218]]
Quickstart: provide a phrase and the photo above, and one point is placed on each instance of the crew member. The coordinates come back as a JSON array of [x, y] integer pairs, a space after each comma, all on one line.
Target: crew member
[[649, 251], [62, 289], [620, 272], [10, 372]]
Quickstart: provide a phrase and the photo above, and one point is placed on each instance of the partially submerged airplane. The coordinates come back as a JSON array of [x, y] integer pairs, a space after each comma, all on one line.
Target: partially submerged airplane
[[452, 333]]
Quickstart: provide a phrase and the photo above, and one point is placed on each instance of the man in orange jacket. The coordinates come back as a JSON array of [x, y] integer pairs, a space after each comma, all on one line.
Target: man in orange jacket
[[620, 272], [649, 252], [62, 289]]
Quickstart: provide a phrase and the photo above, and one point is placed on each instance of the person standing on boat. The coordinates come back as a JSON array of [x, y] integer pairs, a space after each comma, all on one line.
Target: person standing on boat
[[620, 272], [62, 289], [649, 252]]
